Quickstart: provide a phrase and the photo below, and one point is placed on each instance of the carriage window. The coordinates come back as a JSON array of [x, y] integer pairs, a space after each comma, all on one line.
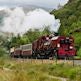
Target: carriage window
[[47, 43], [18, 49], [27, 47], [67, 41], [71, 40], [62, 41]]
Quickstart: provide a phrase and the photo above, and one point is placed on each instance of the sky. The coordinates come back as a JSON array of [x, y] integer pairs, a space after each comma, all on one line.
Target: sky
[[42, 3]]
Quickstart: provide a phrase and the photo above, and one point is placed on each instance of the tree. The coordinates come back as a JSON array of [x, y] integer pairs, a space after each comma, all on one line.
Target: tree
[[2, 51], [46, 31], [79, 52]]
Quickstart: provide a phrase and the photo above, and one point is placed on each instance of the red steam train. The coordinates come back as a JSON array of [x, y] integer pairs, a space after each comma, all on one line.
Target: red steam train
[[45, 47]]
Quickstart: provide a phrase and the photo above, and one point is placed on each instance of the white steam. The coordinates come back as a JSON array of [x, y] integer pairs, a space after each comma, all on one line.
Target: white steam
[[19, 22]]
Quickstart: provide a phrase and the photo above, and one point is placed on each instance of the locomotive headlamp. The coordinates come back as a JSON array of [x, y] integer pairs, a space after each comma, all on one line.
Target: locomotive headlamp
[[67, 37], [71, 47], [58, 45], [71, 40], [47, 38]]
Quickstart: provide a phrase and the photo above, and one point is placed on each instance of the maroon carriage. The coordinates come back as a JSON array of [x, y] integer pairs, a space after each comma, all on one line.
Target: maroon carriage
[[41, 47], [15, 52], [26, 50], [21, 51]]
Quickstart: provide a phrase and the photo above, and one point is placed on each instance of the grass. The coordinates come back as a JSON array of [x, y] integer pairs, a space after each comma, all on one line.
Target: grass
[[11, 70]]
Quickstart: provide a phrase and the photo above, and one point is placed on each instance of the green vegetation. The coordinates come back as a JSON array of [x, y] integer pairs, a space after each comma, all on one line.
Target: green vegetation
[[2, 52], [11, 70], [79, 52]]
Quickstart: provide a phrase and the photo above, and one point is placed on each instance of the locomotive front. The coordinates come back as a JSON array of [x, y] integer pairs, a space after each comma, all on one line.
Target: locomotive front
[[65, 47]]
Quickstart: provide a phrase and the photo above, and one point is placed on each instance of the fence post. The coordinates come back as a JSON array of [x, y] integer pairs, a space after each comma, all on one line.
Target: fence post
[[56, 59], [42, 60], [27, 59], [65, 59], [31, 59], [36, 60], [73, 61]]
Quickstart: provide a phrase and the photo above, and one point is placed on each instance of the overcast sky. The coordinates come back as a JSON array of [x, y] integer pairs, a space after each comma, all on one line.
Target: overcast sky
[[42, 3]]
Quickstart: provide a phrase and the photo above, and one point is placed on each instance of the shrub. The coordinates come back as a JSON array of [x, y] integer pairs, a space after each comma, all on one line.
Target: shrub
[[79, 52], [2, 52]]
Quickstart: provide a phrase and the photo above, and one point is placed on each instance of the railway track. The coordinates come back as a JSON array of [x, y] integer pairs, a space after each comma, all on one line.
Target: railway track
[[39, 61]]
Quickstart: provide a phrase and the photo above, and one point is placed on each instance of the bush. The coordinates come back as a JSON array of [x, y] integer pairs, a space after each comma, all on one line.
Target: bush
[[2, 52], [79, 52]]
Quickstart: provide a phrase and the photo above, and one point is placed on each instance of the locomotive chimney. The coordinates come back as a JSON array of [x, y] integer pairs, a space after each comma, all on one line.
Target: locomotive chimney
[[56, 34]]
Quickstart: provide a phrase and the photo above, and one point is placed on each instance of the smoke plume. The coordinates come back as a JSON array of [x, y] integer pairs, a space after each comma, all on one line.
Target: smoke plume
[[18, 22]]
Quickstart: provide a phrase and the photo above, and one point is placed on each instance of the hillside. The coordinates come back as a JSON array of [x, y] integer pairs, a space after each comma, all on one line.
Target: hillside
[[70, 16]]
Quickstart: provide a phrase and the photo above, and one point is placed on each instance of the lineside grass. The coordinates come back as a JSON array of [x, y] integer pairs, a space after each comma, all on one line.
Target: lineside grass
[[11, 70]]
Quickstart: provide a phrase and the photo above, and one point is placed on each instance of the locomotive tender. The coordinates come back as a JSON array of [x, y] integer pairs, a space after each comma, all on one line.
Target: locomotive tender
[[45, 47]]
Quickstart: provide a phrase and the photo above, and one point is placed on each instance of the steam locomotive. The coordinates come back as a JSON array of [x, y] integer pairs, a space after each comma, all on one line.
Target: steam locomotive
[[46, 47]]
